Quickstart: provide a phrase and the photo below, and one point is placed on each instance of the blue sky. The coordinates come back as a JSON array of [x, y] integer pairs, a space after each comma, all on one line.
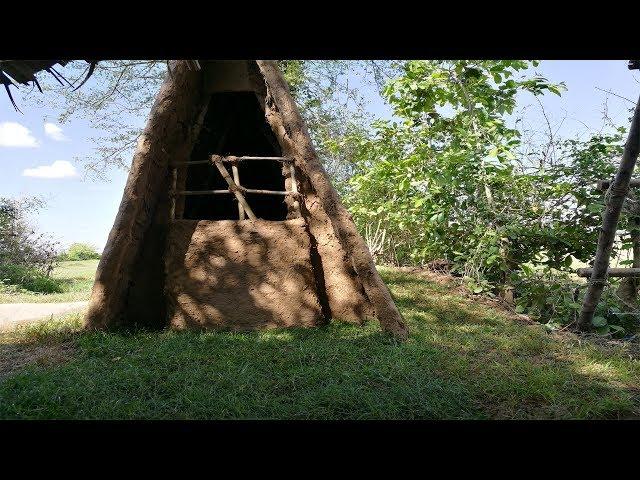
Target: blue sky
[[38, 156]]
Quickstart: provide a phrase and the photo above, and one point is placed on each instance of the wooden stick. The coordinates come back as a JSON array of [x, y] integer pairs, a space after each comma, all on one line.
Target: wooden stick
[[236, 178], [234, 159], [612, 272], [201, 192], [242, 159], [617, 195], [294, 185], [232, 185], [242, 189], [604, 184], [269, 192]]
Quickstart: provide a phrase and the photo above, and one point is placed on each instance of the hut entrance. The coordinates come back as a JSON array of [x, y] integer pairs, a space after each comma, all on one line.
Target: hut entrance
[[238, 253], [235, 126]]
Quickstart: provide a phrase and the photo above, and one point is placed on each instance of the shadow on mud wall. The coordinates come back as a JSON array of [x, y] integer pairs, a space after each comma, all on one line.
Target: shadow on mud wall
[[240, 275]]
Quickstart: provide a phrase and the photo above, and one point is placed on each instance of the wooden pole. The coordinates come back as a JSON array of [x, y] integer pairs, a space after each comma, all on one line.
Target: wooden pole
[[236, 178], [612, 272], [294, 186], [603, 185], [216, 159], [234, 159], [617, 194]]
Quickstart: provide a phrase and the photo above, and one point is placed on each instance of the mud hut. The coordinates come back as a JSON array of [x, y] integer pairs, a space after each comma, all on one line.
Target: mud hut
[[228, 219]]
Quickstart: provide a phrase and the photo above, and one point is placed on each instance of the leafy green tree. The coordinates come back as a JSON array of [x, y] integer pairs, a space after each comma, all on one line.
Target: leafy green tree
[[26, 256], [80, 251], [445, 179]]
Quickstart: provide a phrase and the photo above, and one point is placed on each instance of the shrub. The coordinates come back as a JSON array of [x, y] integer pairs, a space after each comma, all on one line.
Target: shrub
[[29, 279], [80, 251], [20, 244], [555, 299]]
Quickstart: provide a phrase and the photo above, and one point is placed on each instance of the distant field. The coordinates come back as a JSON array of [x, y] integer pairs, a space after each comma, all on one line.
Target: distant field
[[77, 278]]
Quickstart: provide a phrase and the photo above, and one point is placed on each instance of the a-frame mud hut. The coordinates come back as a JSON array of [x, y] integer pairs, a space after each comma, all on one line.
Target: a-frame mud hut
[[229, 220]]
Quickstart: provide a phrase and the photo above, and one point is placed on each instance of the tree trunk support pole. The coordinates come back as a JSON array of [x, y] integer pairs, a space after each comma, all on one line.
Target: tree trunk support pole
[[617, 194]]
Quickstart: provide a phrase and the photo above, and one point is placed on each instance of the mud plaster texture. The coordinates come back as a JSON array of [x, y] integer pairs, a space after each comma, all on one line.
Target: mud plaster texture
[[240, 275]]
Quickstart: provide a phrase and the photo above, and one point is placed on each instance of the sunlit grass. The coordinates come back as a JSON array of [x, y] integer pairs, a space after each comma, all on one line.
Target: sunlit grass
[[76, 278], [462, 360]]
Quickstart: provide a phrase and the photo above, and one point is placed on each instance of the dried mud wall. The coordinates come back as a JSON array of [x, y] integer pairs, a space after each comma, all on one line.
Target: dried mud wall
[[240, 275], [326, 212], [128, 287]]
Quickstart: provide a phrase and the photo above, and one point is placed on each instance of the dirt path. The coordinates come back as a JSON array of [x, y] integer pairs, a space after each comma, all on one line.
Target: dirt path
[[12, 314]]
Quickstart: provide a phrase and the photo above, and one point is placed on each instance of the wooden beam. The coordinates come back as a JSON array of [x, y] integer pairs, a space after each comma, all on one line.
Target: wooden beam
[[201, 192], [241, 189], [216, 159], [604, 184], [294, 186], [612, 272], [236, 178], [324, 206], [232, 159]]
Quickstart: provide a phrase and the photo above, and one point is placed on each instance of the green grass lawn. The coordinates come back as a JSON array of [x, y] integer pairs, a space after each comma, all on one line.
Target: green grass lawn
[[76, 278], [463, 360]]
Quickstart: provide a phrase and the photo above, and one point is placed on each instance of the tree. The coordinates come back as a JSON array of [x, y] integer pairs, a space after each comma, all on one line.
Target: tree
[[80, 251], [26, 257], [446, 180]]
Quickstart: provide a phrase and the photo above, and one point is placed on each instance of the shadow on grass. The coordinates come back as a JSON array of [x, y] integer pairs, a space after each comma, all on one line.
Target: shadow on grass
[[461, 361]]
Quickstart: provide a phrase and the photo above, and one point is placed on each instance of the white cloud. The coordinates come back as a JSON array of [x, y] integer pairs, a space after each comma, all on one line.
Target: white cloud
[[54, 131], [58, 169], [12, 134]]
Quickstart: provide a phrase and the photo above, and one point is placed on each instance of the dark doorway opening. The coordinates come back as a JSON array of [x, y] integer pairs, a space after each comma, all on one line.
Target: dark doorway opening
[[235, 125]]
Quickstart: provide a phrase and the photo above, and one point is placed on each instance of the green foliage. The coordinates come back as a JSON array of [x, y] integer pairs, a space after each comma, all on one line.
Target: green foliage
[[26, 257], [80, 251], [16, 277], [450, 180], [73, 282], [333, 107]]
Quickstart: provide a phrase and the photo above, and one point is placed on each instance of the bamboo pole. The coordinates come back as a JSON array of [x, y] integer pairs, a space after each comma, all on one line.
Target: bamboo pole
[[232, 185], [617, 194]]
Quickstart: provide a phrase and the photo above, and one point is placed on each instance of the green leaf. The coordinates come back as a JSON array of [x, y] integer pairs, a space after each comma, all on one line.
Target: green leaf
[[599, 322]]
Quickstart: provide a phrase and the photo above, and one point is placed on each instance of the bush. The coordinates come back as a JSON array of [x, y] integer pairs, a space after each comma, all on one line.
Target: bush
[[555, 299], [29, 279], [80, 251], [20, 244]]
